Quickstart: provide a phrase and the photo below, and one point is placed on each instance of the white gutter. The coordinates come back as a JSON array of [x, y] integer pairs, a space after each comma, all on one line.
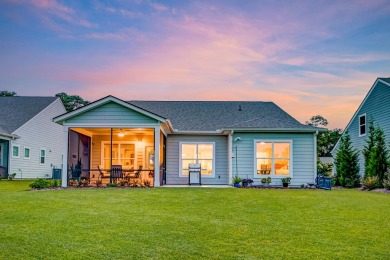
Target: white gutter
[[230, 155]]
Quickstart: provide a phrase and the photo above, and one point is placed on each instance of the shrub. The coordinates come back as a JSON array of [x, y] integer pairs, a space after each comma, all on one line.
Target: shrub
[[40, 184], [376, 154], [370, 183], [83, 183], [111, 185], [98, 183], [386, 181], [11, 177], [347, 164], [324, 168], [55, 183]]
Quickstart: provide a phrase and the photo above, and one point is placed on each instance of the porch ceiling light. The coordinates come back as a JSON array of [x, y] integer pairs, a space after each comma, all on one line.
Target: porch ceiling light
[[121, 133]]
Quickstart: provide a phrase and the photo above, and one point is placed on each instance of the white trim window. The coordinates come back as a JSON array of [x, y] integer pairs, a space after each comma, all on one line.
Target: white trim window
[[273, 158], [203, 153], [123, 153], [42, 156], [27, 152], [362, 125], [15, 151]]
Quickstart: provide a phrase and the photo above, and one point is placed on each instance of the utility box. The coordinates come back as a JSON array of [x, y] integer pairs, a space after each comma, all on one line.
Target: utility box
[[194, 174], [57, 174]]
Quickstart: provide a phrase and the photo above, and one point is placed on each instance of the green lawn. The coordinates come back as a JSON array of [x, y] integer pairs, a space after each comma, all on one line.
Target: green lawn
[[192, 223]]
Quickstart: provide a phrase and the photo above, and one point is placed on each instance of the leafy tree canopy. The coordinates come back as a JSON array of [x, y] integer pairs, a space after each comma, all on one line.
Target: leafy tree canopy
[[317, 121], [5, 93], [326, 140], [71, 102]]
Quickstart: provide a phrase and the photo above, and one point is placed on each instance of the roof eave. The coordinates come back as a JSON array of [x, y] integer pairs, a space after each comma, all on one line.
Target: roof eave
[[284, 130]]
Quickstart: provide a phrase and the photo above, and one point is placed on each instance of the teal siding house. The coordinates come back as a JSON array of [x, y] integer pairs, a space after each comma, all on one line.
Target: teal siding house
[[376, 106], [159, 140]]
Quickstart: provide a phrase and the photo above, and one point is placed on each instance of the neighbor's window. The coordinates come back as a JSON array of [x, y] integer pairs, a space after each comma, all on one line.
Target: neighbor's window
[[273, 158], [43, 156], [26, 152], [362, 125], [15, 151], [202, 153]]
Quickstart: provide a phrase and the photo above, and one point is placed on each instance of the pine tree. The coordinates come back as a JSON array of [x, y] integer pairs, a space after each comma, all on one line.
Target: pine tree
[[347, 164], [370, 144], [376, 154], [377, 164]]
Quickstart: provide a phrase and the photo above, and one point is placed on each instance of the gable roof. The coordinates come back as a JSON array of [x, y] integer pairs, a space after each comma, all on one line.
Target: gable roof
[[385, 81], [103, 101], [223, 115], [16, 111]]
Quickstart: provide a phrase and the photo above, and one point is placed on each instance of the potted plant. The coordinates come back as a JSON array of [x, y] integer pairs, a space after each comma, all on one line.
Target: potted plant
[[266, 181], [286, 181], [236, 181]]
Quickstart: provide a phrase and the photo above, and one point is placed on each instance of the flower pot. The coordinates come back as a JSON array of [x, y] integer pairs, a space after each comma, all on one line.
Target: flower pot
[[285, 184], [236, 185]]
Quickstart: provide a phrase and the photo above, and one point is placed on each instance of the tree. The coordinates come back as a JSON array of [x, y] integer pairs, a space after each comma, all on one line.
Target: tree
[[5, 93], [376, 154], [71, 102], [326, 140], [347, 164], [317, 121], [370, 143]]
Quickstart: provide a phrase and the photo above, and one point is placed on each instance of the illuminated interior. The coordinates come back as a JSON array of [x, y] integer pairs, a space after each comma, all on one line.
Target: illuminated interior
[[131, 148], [202, 153], [273, 158]]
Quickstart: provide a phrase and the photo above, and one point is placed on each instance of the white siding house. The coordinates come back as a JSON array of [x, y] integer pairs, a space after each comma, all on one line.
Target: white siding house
[[34, 140]]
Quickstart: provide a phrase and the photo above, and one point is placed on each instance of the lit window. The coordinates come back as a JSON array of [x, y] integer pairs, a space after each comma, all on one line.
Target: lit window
[[26, 152], [273, 158], [15, 151], [43, 156], [362, 125], [202, 153]]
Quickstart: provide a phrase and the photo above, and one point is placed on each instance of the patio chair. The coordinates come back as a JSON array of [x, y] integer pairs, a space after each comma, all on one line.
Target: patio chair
[[116, 172], [102, 175], [134, 175]]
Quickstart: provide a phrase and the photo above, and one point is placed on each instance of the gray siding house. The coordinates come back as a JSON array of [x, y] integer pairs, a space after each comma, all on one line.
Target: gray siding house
[[30, 142], [161, 138], [376, 106]]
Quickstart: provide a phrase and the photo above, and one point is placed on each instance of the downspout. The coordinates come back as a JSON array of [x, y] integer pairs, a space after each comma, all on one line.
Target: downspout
[[230, 154], [315, 155]]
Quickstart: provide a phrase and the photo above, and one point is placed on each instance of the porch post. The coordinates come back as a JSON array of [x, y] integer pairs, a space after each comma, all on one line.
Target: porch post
[[156, 156], [65, 144]]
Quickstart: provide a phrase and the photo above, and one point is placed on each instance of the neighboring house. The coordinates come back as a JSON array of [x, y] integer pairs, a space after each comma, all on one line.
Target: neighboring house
[[30, 142], [376, 105], [250, 139]]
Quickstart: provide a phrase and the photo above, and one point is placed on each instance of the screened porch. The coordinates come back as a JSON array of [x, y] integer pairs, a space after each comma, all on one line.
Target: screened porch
[[113, 155]]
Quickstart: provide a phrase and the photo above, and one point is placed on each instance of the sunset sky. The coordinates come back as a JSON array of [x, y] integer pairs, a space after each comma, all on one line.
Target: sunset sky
[[309, 57]]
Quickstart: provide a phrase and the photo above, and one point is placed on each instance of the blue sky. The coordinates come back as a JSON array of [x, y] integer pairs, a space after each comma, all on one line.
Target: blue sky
[[309, 57]]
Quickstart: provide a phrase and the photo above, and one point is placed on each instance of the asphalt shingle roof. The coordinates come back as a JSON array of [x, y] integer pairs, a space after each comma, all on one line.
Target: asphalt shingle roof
[[386, 80], [16, 111], [217, 115]]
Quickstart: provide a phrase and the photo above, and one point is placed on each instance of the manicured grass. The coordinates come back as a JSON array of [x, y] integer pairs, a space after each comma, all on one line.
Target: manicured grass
[[182, 223]]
